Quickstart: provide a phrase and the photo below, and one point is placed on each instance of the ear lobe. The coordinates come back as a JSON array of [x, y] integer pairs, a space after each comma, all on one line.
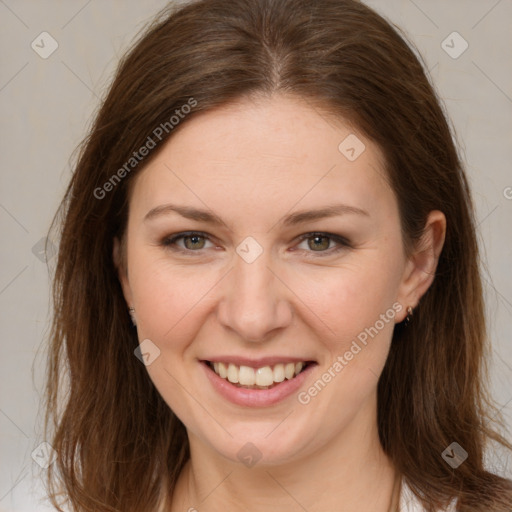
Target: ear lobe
[[421, 266]]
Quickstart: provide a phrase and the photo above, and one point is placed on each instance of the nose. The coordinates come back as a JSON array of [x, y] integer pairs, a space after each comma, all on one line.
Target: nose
[[255, 302]]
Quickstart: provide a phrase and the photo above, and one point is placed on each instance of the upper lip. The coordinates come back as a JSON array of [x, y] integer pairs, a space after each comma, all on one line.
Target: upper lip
[[256, 362]]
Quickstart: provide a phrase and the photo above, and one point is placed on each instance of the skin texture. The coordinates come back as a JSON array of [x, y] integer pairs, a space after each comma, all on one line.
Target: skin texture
[[252, 163]]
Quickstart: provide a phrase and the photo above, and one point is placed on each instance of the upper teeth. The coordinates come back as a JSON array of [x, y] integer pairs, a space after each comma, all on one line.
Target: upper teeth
[[265, 376]]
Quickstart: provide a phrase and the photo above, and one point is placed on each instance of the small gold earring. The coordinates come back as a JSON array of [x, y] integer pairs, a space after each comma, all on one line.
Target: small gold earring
[[132, 315]]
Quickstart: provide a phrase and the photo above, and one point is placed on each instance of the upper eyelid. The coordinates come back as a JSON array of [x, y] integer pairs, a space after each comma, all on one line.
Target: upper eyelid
[[326, 234]]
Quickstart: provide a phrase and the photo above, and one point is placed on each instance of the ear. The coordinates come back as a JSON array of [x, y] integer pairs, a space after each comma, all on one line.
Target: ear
[[119, 257], [421, 266]]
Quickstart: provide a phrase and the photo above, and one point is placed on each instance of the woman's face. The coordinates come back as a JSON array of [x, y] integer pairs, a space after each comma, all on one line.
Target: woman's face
[[296, 258]]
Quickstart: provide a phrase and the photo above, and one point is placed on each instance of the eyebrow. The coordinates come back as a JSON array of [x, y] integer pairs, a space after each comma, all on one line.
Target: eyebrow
[[292, 219]]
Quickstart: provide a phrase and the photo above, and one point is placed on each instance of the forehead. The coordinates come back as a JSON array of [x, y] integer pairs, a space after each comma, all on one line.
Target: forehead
[[269, 154]]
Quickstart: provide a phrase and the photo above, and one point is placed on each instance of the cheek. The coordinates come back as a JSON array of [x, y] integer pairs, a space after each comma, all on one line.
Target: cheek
[[171, 305], [357, 303], [170, 299], [351, 297]]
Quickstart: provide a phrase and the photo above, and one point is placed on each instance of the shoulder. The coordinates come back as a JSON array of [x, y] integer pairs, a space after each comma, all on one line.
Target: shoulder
[[410, 503]]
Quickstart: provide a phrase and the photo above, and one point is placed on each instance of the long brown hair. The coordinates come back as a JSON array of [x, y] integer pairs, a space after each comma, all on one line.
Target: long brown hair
[[118, 444]]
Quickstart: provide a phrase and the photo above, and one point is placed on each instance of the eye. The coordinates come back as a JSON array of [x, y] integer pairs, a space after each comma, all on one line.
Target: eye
[[192, 241], [322, 243], [319, 242]]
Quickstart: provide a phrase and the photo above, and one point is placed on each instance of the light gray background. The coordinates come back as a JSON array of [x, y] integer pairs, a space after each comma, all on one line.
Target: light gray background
[[47, 104]]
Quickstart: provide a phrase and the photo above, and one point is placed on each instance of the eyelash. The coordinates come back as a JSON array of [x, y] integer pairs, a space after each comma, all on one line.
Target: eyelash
[[170, 241]]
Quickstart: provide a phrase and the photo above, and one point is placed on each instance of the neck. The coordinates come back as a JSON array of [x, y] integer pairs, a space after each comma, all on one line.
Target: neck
[[349, 473]]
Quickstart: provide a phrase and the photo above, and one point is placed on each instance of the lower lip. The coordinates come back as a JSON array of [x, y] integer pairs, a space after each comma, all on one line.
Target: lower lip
[[256, 397]]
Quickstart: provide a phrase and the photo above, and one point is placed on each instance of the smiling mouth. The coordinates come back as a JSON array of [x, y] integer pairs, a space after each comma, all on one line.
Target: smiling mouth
[[265, 377]]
